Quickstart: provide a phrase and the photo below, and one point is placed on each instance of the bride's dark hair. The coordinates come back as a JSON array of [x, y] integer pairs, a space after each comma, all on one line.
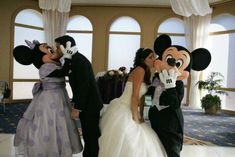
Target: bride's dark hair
[[140, 56]]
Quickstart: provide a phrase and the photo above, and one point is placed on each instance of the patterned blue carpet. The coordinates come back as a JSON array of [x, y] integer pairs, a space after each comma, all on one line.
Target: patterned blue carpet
[[217, 129], [9, 119]]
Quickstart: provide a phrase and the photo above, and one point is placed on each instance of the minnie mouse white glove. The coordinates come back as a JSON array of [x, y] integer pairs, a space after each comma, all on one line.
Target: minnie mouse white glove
[[69, 51], [168, 78]]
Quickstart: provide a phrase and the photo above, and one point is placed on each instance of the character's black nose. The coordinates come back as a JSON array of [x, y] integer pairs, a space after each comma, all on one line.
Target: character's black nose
[[171, 61]]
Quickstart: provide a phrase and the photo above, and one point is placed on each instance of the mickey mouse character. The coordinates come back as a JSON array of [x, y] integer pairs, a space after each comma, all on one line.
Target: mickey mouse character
[[46, 128], [173, 65]]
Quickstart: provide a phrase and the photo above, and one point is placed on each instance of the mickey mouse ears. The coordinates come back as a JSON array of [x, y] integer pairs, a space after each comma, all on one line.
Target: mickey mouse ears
[[161, 43], [201, 59]]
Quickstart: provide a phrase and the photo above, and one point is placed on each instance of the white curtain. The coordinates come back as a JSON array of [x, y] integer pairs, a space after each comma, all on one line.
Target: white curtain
[[197, 16], [196, 30], [55, 17], [191, 7]]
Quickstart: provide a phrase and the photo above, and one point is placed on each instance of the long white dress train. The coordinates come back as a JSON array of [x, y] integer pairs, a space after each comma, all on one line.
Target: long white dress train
[[121, 136]]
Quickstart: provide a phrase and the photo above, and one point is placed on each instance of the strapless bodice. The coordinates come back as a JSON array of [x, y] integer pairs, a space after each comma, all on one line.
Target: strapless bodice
[[127, 93]]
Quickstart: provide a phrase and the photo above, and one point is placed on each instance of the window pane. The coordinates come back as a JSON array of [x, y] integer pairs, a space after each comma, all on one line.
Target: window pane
[[84, 43], [220, 55], [223, 46], [79, 23], [226, 20], [230, 101], [216, 28], [178, 40], [24, 71], [125, 24], [223, 55], [21, 34], [167, 26], [22, 90], [29, 14], [231, 63], [122, 49]]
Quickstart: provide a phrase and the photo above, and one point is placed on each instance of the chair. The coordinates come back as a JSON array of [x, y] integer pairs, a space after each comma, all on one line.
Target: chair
[[4, 93], [110, 88]]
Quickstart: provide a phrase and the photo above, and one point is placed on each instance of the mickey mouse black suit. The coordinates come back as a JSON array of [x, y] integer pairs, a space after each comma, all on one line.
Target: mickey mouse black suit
[[166, 115], [168, 123]]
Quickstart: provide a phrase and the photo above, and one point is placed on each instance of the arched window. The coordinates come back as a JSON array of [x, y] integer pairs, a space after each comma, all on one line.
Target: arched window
[[124, 40], [174, 27], [80, 28], [25, 76], [177, 33], [222, 39]]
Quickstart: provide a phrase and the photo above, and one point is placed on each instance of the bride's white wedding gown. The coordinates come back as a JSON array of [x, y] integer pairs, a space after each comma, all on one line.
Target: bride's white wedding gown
[[121, 136]]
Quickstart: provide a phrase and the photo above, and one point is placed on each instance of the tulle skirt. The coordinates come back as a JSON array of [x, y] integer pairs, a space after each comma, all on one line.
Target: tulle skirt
[[123, 137], [46, 129]]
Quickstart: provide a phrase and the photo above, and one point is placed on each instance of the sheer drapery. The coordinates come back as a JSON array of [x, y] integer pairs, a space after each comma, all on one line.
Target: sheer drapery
[[196, 29], [62, 6], [191, 7], [55, 18], [197, 16]]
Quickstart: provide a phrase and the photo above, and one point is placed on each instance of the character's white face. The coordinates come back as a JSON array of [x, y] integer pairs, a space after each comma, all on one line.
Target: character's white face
[[50, 56], [181, 61]]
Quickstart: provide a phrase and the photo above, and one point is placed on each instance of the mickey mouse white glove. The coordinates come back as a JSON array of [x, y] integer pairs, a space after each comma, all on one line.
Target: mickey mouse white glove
[[69, 51], [168, 78]]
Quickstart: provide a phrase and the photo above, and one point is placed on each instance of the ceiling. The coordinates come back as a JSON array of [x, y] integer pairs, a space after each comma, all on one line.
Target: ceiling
[[162, 3]]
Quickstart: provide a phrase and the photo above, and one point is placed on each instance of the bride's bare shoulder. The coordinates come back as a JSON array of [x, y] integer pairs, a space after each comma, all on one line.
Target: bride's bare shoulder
[[137, 73]]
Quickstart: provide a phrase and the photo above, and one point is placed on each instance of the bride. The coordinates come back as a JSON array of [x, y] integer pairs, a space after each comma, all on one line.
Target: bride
[[123, 130]]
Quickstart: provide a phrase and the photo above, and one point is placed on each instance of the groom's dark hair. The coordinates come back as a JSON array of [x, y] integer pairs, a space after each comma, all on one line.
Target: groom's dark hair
[[63, 40]]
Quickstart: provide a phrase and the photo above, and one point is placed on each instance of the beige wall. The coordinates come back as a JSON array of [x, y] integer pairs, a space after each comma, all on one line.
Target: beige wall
[[100, 17], [8, 11]]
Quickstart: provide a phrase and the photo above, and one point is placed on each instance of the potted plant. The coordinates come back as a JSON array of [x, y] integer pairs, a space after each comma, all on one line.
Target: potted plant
[[211, 102]]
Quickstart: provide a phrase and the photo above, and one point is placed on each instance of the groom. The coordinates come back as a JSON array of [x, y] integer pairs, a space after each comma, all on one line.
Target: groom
[[86, 98]]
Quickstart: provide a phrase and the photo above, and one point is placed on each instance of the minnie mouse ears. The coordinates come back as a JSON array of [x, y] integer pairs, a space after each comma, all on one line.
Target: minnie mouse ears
[[32, 44], [23, 55], [28, 55]]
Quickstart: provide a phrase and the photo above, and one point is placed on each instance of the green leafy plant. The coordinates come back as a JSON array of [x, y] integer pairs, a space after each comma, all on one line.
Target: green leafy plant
[[211, 102]]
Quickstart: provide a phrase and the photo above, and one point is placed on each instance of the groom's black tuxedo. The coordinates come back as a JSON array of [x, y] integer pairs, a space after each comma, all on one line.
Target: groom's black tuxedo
[[87, 99], [168, 122], [84, 87]]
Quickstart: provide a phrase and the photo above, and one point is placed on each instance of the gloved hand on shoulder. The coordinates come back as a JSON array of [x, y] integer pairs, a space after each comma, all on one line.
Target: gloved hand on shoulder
[[69, 51]]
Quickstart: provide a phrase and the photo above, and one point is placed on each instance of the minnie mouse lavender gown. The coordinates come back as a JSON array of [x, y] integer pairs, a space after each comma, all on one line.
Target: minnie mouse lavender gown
[[46, 129]]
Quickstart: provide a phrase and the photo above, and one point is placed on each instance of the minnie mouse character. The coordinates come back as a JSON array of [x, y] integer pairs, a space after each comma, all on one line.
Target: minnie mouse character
[[173, 65], [46, 128]]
